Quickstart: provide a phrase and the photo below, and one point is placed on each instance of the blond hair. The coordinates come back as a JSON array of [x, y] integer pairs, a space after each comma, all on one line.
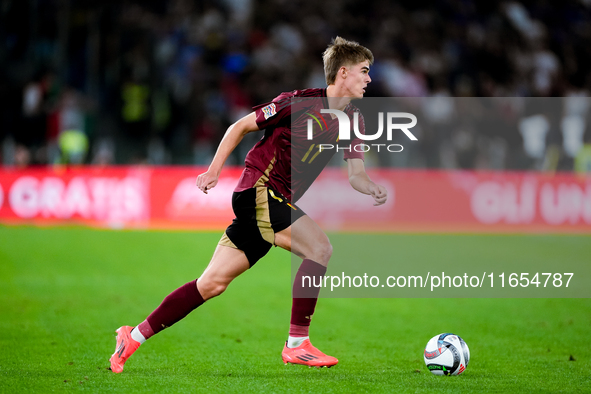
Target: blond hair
[[341, 53]]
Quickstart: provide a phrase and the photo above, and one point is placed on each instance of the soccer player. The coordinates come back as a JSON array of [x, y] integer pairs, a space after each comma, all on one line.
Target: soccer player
[[279, 169]]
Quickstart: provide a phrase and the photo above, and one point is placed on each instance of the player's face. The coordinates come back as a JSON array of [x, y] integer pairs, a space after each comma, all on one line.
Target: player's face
[[357, 79]]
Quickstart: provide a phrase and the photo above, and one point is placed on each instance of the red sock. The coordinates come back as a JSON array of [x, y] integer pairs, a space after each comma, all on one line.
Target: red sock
[[173, 308], [305, 296]]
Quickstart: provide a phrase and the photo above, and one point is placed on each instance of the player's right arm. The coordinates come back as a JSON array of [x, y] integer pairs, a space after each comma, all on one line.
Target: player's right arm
[[232, 138]]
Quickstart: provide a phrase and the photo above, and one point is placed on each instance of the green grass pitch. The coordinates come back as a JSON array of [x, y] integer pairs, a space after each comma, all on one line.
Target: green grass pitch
[[63, 292]]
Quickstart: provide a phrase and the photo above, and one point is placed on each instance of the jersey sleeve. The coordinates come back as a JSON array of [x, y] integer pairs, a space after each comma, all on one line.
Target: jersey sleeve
[[356, 141], [273, 113]]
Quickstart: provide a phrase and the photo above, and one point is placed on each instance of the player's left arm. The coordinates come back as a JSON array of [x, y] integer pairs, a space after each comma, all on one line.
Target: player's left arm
[[361, 182]]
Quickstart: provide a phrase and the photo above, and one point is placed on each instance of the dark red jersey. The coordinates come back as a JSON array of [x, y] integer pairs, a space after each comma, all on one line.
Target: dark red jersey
[[285, 159]]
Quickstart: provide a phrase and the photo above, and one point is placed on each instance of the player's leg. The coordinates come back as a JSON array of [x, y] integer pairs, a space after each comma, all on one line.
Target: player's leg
[[305, 239], [244, 242], [226, 264]]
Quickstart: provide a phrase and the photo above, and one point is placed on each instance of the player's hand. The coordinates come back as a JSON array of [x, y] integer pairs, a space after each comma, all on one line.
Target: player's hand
[[207, 181], [379, 193]]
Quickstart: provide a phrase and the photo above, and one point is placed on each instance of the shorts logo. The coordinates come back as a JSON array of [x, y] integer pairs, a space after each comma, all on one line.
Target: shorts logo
[[274, 196], [269, 110]]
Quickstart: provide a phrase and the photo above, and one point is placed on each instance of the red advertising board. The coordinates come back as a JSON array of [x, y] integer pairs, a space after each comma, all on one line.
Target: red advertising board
[[98, 196], [432, 201], [457, 201]]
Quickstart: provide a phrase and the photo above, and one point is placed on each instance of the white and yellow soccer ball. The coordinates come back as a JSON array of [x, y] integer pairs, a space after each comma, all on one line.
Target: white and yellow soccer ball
[[446, 354]]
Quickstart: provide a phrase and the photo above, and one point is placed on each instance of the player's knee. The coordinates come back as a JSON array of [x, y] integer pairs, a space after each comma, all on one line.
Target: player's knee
[[323, 252], [218, 289], [209, 289]]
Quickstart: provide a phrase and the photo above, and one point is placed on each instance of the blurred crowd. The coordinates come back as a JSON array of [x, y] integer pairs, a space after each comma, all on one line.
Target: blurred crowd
[[158, 82]]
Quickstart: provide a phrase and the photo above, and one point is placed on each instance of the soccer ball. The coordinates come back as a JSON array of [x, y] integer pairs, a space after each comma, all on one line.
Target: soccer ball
[[446, 354]]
